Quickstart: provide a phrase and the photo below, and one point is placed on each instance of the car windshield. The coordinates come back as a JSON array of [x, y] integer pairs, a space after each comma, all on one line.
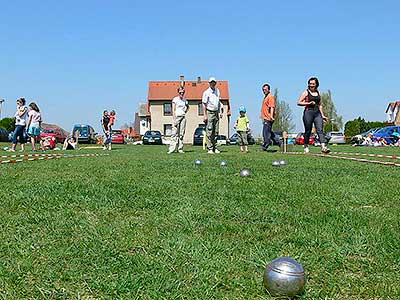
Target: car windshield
[[153, 133], [82, 130], [336, 134], [221, 137], [49, 131], [199, 131], [385, 130], [117, 131]]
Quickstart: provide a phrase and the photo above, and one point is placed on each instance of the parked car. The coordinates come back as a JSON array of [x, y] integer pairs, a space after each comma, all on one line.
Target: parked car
[[386, 133], [300, 139], [117, 137], [221, 140], [85, 133], [198, 135], [335, 137], [57, 133], [358, 138], [3, 135], [233, 140], [152, 137]]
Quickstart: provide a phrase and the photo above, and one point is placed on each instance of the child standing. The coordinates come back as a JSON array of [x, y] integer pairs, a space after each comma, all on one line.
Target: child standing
[[34, 123], [20, 124], [242, 126]]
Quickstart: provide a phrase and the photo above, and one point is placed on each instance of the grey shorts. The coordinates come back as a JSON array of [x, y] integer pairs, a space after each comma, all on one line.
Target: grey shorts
[[242, 138]]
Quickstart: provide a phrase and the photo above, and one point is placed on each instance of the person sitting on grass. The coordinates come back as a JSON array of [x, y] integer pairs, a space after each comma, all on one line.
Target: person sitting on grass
[[70, 144], [48, 143]]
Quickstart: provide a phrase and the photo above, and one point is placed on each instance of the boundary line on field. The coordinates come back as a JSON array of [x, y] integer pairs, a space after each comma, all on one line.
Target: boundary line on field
[[364, 160], [35, 157], [368, 154]]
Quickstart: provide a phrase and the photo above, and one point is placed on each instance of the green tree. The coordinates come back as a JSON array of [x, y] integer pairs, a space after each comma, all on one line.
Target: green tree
[[283, 115], [8, 124], [329, 109]]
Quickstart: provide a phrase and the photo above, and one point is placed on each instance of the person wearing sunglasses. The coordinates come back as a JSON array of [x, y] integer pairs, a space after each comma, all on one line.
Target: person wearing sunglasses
[[180, 106]]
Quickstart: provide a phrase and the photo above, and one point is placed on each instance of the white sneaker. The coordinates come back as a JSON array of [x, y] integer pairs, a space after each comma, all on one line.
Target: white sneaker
[[306, 150], [181, 151], [217, 151], [210, 152], [170, 151], [104, 148], [325, 150]]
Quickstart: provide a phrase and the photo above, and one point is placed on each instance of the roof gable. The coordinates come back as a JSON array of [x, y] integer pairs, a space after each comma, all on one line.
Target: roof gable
[[392, 106]]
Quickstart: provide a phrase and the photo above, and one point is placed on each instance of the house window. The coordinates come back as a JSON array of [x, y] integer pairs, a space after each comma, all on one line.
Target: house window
[[167, 109], [200, 109], [167, 129]]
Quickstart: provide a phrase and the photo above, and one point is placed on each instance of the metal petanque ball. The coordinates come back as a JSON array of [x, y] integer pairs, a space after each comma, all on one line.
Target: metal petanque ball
[[282, 163], [245, 173], [276, 163], [284, 276], [198, 162], [223, 163]]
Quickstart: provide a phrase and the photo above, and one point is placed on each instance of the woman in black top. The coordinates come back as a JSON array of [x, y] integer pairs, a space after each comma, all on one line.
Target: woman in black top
[[313, 114]]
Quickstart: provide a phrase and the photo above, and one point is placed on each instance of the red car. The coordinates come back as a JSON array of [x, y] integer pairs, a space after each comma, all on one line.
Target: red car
[[117, 137], [300, 139], [54, 132]]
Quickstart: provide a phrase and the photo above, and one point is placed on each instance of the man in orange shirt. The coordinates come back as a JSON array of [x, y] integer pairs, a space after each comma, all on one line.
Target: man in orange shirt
[[268, 117]]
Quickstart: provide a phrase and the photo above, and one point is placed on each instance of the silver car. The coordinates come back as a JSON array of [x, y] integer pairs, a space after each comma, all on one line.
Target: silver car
[[336, 137]]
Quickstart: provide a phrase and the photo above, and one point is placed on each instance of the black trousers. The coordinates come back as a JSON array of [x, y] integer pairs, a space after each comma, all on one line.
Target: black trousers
[[310, 117]]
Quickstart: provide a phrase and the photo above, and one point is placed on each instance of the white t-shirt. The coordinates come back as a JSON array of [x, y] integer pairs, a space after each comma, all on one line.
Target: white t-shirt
[[180, 106], [21, 120], [36, 118], [211, 98]]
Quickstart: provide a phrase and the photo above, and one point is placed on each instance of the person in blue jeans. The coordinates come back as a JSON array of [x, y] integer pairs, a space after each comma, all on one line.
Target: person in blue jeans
[[268, 112], [20, 124]]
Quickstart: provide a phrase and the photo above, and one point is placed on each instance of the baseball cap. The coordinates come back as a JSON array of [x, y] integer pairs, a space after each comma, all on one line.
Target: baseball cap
[[212, 79], [242, 108]]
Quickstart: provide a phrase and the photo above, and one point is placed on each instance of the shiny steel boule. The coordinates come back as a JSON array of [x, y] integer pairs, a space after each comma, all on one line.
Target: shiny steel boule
[[245, 173], [282, 163], [223, 163], [284, 276], [198, 162], [276, 163]]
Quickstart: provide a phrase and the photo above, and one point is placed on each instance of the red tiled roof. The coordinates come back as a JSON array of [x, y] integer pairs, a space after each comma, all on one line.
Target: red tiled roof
[[166, 90]]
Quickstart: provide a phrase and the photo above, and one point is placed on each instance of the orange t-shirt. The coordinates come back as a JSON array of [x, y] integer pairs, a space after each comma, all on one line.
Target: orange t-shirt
[[268, 103]]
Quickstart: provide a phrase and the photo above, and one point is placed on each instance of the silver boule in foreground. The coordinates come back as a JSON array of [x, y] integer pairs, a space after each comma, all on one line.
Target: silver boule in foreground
[[276, 163], [284, 276], [198, 162], [282, 163], [245, 173], [223, 163]]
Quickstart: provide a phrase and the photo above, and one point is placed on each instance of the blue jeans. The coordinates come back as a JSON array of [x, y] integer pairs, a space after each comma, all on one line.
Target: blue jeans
[[268, 134], [310, 117], [19, 133]]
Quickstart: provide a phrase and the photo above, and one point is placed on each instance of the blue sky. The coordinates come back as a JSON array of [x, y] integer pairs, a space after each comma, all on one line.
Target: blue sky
[[76, 58]]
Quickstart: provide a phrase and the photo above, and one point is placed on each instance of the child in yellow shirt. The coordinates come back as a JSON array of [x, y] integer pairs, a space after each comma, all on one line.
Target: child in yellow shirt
[[242, 126]]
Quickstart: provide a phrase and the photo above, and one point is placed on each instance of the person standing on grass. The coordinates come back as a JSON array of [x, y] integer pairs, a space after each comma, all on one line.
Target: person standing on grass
[[34, 123], [20, 124], [313, 114], [213, 111], [106, 129], [268, 117], [242, 127], [179, 108]]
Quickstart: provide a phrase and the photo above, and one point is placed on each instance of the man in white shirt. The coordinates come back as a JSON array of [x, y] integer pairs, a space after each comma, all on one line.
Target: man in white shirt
[[179, 108], [213, 110]]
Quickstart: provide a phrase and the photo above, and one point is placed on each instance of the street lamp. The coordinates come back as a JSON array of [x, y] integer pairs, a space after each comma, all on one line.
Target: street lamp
[[1, 106], [332, 120]]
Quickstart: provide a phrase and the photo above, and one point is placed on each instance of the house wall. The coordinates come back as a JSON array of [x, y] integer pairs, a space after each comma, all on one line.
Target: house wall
[[397, 118], [193, 119]]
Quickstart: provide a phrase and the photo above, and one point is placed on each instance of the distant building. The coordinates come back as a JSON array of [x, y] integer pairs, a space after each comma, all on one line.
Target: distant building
[[159, 106], [393, 112], [142, 120]]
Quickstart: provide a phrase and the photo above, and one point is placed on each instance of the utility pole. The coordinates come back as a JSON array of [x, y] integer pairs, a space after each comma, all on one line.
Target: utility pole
[[1, 106], [332, 120]]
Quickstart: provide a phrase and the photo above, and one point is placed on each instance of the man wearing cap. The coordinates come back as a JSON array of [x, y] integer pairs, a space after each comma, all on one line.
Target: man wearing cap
[[268, 117], [213, 110]]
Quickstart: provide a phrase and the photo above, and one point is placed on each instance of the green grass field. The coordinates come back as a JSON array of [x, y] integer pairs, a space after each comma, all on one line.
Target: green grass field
[[141, 224]]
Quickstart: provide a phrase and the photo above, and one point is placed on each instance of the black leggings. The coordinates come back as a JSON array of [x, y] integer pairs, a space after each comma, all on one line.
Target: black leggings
[[311, 116]]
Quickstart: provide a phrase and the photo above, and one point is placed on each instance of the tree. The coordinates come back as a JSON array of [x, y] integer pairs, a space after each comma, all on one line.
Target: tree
[[329, 109], [8, 124], [283, 115]]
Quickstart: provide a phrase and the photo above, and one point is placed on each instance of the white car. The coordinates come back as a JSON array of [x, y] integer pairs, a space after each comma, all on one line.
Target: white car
[[336, 137], [222, 140]]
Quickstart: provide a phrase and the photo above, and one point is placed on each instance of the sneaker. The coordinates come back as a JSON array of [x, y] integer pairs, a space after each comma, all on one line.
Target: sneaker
[[170, 151], [217, 151], [104, 148], [210, 152], [325, 150], [306, 150], [181, 151]]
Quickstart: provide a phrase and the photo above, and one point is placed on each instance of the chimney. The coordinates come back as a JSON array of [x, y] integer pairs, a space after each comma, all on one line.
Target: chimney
[[198, 79]]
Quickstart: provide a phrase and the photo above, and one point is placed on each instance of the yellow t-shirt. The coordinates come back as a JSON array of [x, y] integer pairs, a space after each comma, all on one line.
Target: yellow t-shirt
[[242, 123]]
